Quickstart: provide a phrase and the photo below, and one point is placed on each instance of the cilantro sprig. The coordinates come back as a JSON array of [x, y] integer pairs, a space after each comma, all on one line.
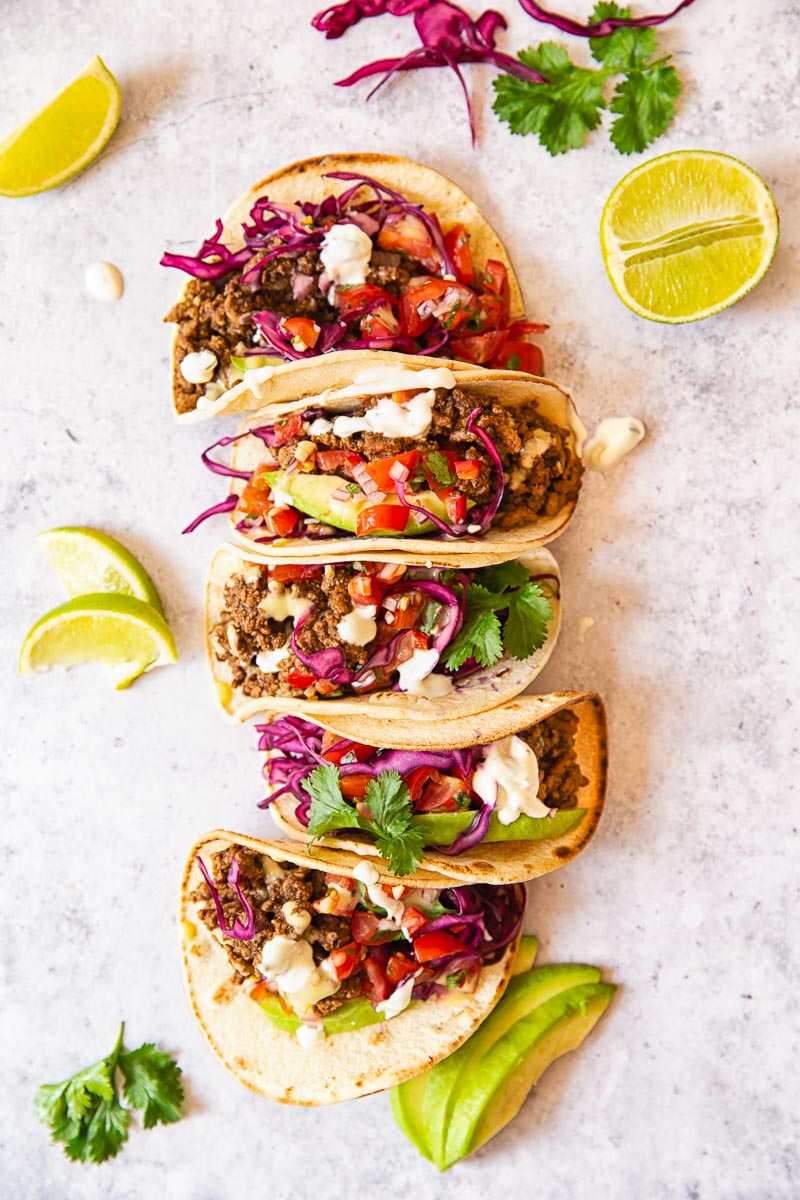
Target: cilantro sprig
[[86, 1114], [563, 110], [505, 614], [388, 801]]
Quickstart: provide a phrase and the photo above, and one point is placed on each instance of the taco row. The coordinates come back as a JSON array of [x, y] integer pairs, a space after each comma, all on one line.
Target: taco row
[[386, 602]]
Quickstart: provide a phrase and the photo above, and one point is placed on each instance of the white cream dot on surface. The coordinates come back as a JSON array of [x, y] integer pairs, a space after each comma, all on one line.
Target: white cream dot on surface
[[104, 281]]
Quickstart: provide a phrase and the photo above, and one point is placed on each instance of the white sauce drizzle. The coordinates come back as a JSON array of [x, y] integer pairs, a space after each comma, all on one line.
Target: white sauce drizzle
[[399, 1000], [268, 661], [611, 441], [279, 604], [412, 419], [509, 776], [345, 254], [359, 626], [414, 676]]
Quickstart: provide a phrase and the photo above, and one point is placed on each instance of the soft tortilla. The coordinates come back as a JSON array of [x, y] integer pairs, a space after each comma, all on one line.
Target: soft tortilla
[[485, 689], [346, 1065], [489, 862], [306, 180], [510, 388]]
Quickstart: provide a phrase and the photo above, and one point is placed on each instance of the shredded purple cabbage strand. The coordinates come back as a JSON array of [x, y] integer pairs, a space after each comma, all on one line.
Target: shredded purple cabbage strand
[[244, 932], [596, 29]]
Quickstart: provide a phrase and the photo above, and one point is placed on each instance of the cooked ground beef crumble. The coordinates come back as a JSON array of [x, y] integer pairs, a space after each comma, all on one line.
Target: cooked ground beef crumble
[[553, 742]]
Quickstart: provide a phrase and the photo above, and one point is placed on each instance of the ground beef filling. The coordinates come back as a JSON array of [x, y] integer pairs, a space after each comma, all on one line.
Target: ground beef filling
[[268, 891], [244, 630], [540, 470], [553, 742], [215, 316]]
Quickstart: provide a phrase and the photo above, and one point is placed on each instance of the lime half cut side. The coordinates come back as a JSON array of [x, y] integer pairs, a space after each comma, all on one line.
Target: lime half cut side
[[687, 234], [62, 138], [86, 560], [126, 634]]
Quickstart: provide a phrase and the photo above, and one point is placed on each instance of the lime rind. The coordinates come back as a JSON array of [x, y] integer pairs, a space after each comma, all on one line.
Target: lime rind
[[735, 236], [86, 560]]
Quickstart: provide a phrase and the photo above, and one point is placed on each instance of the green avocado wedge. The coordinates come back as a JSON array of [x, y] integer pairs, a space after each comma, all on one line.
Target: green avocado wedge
[[407, 1104], [355, 1014], [526, 954], [455, 1075], [314, 496], [442, 829], [496, 1089]]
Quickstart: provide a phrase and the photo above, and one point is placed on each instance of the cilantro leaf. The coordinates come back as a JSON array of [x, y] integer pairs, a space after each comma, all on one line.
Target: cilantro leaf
[[478, 638], [152, 1083], [624, 49], [438, 466], [525, 629], [561, 111], [505, 575], [329, 809], [389, 802], [85, 1112], [645, 102]]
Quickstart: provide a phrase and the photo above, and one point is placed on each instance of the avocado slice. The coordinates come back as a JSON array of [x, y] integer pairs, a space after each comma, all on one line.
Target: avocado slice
[[442, 829], [496, 1089], [406, 1100], [526, 954], [354, 1014], [449, 1078], [313, 495]]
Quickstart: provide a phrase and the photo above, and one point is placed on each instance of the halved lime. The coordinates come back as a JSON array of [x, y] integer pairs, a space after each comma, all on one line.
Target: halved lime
[[62, 138], [86, 560], [688, 234], [123, 632]]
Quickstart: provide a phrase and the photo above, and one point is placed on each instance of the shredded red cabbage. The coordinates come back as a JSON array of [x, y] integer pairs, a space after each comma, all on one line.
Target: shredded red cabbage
[[337, 19], [485, 516], [243, 932], [225, 505], [594, 29], [444, 596], [213, 260]]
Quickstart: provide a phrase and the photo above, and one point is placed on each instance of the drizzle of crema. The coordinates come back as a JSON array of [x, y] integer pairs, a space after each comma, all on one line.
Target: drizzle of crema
[[611, 441]]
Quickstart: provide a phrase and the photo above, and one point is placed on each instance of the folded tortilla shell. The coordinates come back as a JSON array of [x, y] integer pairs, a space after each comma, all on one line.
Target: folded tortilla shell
[[488, 862], [306, 180], [271, 1061], [485, 689]]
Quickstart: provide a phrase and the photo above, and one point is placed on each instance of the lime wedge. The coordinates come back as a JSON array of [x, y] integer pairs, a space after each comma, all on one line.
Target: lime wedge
[[123, 632], [86, 560], [687, 234], [63, 137]]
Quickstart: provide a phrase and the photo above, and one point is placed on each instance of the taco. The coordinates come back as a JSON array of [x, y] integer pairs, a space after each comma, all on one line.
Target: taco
[[344, 252], [406, 454], [500, 797], [319, 979], [412, 638]]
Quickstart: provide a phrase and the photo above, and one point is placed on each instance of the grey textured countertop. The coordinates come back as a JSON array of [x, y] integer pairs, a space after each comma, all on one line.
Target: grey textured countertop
[[686, 557]]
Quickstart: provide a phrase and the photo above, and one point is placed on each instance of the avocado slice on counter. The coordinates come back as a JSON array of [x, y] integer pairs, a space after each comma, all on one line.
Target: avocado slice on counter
[[526, 954], [354, 1014], [442, 829], [525, 995], [313, 495], [496, 1088], [407, 1101]]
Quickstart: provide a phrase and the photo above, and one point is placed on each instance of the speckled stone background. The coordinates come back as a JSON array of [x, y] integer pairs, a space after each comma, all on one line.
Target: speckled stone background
[[686, 557]]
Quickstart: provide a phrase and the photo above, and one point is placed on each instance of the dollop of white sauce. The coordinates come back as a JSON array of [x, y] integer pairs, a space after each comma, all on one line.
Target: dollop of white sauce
[[268, 661], [104, 281], [611, 441], [199, 366], [399, 1000], [381, 381], [412, 419], [290, 965], [298, 917], [320, 425], [359, 626], [279, 604], [509, 777], [345, 254], [310, 1036], [414, 676], [367, 873]]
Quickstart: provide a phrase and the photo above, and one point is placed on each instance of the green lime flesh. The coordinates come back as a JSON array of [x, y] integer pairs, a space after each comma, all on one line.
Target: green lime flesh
[[87, 560]]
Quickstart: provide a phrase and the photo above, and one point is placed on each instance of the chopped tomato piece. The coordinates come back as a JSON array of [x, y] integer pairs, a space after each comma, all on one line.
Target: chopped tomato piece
[[378, 987], [332, 460], [390, 572], [281, 520], [340, 898], [260, 992], [256, 497], [288, 429], [354, 787], [457, 243], [348, 299], [519, 329], [326, 687], [468, 468], [303, 331], [493, 314], [334, 749], [520, 356], [288, 572], [379, 469], [381, 322], [456, 508], [347, 959], [379, 518], [376, 677], [405, 233], [364, 589], [458, 304], [342, 881], [416, 306], [495, 278], [429, 789], [300, 679], [436, 945], [411, 640], [366, 931], [412, 921], [481, 347], [399, 968]]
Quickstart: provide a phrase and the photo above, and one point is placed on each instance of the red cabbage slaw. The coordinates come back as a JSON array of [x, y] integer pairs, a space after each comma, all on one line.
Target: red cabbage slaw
[[489, 918], [479, 519], [293, 746]]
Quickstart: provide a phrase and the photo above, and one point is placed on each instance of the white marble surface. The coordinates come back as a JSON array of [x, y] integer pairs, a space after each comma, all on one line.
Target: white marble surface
[[686, 557]]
